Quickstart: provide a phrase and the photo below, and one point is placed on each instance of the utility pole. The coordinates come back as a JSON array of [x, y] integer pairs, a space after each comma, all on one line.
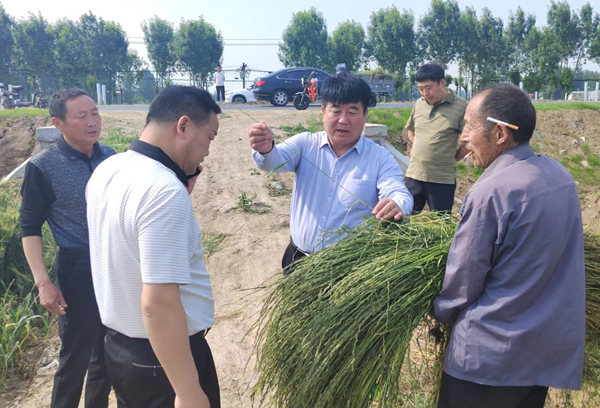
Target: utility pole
[[242, 70]]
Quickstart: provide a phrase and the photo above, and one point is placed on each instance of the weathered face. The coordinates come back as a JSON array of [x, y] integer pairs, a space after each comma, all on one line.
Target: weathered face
[[197, 143], [482, 142], [344, 123], [82, 124], [432, 91]]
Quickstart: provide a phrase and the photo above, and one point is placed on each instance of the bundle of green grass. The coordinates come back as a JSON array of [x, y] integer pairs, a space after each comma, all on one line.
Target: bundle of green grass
[[335, 333]]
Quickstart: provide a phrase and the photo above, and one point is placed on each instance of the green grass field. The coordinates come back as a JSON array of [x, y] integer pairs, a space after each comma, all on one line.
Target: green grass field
[[28, 112]]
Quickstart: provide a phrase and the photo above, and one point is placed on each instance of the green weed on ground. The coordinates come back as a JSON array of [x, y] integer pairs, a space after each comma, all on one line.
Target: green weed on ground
[[567, 106], [119, 140], [589, 175], [211, 242], [395, 120], [28, 112], [313, 125], [22, 319]]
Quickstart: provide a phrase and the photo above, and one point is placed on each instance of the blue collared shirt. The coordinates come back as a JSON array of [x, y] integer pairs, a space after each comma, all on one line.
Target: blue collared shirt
[[330, 191], [515, 278]]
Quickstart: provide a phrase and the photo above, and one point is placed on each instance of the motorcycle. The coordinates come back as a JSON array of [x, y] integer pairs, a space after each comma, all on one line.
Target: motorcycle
[[41, 103], [309, 92]]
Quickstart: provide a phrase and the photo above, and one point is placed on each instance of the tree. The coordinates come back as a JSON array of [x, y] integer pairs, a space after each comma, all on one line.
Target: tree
[[595, 46], [34, 43], [492, 61], [589, 24], [392, 36], [566, 80], [6, 44], [158, 37], [72, 59], [468, 47], [565, 25], [305, 41], [439, 31], [129, 79], [533, 82], [147, 88], [346, 45], [544, 55], [518, 28], [111, 48], [199, 49]]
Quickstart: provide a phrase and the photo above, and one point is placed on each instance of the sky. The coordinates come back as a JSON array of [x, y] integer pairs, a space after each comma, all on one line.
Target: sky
[[251, 29]]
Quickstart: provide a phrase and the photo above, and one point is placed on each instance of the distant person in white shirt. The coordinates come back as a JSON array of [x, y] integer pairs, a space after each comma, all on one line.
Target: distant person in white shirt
[[220, 82], [151, 283]]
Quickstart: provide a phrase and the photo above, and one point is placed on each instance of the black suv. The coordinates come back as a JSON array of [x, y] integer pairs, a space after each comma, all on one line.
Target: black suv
[[280, 87]]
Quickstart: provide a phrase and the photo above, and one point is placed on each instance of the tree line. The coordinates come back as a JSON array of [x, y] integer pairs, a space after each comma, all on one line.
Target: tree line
[[91, 50], [485, 48]]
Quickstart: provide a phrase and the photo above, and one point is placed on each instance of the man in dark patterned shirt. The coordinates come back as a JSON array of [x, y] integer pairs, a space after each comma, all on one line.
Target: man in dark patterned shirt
[[54, 191]]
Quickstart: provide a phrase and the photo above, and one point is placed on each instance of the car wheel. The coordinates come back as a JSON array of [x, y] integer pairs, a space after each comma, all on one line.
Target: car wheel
[[280, 98], [239, 99]]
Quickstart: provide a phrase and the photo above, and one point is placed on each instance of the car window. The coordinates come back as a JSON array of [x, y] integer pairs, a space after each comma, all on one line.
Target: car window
[[322, 75], [297, 74], [282, 75]]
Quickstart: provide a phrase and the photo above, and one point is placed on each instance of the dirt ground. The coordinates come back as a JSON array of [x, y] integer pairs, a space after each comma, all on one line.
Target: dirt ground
[[251, 252], [17, 141]]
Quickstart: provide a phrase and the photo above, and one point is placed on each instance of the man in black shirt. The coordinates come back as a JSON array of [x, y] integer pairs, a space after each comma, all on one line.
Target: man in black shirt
[[54, 191]]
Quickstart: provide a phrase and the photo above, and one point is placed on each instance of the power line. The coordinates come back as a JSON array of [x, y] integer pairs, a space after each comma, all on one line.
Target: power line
[[227, 44], [238, 39]]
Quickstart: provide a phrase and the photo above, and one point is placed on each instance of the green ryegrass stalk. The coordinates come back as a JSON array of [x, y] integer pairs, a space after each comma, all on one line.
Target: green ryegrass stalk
[[336, 332]]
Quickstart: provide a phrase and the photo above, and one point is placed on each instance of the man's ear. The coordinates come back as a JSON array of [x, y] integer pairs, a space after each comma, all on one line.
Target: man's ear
[[57, 123], [182, 124], [503, 135]]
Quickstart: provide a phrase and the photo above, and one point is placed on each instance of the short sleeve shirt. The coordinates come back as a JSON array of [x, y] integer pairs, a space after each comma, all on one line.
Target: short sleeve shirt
[[437, 130]]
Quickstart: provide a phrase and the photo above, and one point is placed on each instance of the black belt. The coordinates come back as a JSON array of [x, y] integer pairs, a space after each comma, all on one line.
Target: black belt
[[296, 248], [118, 335]]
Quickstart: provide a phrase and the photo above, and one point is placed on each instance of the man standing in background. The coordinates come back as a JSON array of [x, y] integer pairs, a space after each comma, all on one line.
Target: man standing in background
[[54, 191], [220, 83], [433, 128]]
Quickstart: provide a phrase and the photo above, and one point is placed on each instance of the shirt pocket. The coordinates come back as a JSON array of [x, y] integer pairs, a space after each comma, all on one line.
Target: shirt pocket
[[358, 194]]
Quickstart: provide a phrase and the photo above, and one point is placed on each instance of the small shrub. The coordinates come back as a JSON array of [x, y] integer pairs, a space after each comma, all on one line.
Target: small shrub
[[211, 242], [245, 201], [119, 140], [254, 172], [593, 160]]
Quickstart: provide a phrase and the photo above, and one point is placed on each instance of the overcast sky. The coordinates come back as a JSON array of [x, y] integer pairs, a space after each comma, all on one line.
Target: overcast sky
[[244, 24]]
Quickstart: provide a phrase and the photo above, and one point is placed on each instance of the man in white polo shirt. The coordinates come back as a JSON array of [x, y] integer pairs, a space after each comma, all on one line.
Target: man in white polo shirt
[[150, 280]]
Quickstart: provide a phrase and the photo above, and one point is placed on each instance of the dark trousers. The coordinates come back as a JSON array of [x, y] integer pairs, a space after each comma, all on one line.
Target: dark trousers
[[439, 197], [81, 334], [455, 393], [291, 255], [140, 381], [221, 92]]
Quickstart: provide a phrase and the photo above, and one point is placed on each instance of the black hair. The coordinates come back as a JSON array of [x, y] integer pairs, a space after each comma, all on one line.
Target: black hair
[[58, 102], [430, 72], [176, 101], [509, 104], [345, 89]]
